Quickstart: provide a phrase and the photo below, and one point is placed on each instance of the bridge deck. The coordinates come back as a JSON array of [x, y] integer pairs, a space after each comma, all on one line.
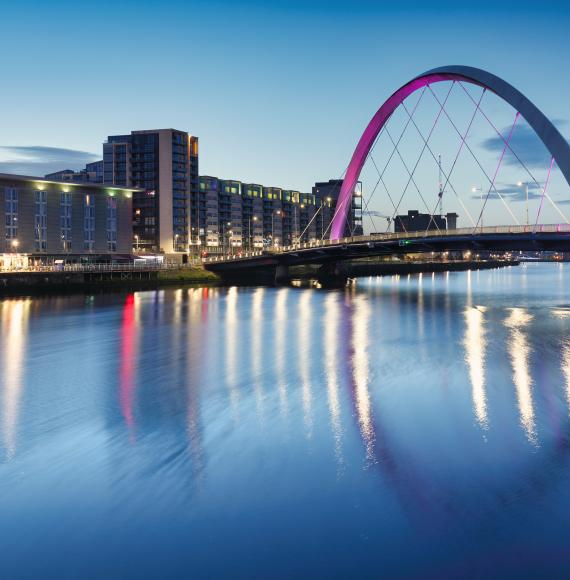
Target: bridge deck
[[489, 237]]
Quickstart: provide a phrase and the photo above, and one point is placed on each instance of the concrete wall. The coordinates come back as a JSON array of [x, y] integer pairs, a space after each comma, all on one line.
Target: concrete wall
[[166, 229]]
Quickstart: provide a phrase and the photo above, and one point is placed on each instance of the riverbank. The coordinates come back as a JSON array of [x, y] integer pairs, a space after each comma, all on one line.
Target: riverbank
[[38, 283]]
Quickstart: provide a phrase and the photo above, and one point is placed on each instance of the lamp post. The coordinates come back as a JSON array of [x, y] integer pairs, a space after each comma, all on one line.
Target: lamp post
[[278, 212], [175, 242], [520, 184], [328, 200], [480, 190], [302, 206], [224, 236], [15, 244], [249, 231], [136, 243]]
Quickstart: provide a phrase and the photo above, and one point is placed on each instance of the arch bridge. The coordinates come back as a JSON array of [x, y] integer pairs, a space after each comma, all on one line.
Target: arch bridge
[[339, 247]]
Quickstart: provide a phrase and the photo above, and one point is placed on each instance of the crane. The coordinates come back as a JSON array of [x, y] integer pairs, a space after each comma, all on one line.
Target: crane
[[377, 214]]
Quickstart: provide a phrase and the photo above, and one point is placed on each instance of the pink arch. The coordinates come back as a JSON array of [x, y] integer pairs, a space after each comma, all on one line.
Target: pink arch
[[550, 136]]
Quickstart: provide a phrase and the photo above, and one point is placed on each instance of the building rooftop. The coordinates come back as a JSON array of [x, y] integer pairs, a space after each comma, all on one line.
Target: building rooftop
[[27, 178]]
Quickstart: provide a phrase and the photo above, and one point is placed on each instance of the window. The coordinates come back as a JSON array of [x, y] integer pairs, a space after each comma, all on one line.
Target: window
[[88, 222], [11, 213], [65, 220], [40, 222], [112, 224]]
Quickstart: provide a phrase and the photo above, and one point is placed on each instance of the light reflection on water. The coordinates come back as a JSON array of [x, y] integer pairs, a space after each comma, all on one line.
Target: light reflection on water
[[14, 334], [475, 347], [405, 425], [331, 353]]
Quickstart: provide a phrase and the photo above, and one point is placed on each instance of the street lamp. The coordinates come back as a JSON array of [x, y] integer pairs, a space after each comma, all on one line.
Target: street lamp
[[175, 242], [520, 184], [15, 244], [249, 231], [480, 190], [322, 210], [278, 212], [136, 243], [224, 235], [302, 206]]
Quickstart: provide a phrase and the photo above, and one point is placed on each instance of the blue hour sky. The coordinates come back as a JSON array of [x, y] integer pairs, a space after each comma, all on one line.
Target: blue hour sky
[[278, 92]]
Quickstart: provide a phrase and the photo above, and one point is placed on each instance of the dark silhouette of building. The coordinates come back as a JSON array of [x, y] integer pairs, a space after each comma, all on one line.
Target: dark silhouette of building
[[326, 195], [421, 222]]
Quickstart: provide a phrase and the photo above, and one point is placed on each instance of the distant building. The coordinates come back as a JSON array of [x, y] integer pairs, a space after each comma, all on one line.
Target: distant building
[[45, 220], [232, 214], [93, 173], [326, 196], [451, 221], [415, 221], [163, 163]]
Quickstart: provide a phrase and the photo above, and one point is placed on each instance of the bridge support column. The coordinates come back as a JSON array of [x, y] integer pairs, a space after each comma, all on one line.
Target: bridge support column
[[282, 274], [333, 274]]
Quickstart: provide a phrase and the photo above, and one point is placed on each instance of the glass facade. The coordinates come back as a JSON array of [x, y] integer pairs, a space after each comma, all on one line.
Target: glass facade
[[163, 163], [250, 216], [112, 224], [65, 220], [11, 214], [88, 222], [40, 222]]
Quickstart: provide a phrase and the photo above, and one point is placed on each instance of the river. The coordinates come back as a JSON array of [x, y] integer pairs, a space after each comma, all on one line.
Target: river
[[408, 427]]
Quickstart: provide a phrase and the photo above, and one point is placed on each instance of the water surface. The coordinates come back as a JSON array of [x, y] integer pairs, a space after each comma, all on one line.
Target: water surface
[[408, 427]]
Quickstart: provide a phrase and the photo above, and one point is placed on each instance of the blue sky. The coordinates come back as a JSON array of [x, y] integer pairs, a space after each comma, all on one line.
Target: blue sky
[[278, 92]]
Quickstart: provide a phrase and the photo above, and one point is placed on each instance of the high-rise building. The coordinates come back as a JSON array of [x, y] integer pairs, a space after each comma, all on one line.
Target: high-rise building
[[163, 163], [250, 216], [326, 196]]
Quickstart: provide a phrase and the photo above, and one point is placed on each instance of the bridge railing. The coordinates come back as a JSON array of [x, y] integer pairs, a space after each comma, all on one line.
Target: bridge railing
[[94, 268], [389, 236]]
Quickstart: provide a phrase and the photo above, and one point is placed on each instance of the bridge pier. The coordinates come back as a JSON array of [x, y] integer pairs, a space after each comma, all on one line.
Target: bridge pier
[[333, 274], [282, 274]]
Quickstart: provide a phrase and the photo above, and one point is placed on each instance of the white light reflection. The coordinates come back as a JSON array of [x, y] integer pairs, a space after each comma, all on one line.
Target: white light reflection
[[280, 326], [256, 346], [331, 344], [304, 350], [566, 369], [178, 300], [361, 372], [231, 330], [14, 316], [475, 344], [519, 351], [421, 310]]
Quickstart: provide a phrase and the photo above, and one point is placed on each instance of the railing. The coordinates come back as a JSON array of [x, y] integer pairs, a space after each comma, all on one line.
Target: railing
[[387, 237], [96, 268]]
